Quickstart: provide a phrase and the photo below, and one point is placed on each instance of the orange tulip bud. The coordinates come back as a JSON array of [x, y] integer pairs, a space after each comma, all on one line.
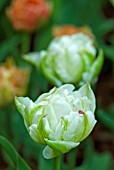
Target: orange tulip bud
[[26, 15]]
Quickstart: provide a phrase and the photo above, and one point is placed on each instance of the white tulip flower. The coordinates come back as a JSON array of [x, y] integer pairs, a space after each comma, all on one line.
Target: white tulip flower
[[60, 119]]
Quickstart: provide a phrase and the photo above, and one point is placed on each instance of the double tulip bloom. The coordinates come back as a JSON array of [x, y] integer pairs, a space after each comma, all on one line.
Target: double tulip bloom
[[69, 59], [27, 15], [60, 119]]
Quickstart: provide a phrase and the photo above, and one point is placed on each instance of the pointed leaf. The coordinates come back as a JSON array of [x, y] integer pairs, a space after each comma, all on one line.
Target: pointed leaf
[[17, 160]]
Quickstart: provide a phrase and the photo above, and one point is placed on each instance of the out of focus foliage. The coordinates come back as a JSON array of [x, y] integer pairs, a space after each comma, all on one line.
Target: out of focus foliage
[[99, 16]]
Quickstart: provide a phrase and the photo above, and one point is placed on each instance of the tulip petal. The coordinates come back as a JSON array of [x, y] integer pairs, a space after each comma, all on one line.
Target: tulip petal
[[88, 59], [25, 107], [63, 67], [57, 147], [49, 153], [60, 106], [34, 57], [57, 134], [51, 116], [68, 87], [91, 74], [46, 95], [76, 127], [36, 134], [89, 124], [45, 127], [96, 67], [86, 91], [47, 69]]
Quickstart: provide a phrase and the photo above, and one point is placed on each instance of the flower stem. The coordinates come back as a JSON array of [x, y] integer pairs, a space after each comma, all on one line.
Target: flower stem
[[56, 10], [26, 39], [56, 165], [72, 159]]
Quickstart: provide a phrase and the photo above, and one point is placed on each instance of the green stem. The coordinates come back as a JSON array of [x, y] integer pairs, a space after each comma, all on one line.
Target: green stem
[[72, 159], [56, 10], [26, 39], [56, 165]]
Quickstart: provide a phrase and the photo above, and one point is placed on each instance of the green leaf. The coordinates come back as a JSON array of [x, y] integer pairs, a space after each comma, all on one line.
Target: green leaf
[[106, 118], [111, 110], [6, 26], [112, 1], [3, 129], [8, 45], [106, 26], [38, 84], [94, 160], [43, 37], [2, 4], [17, 160], [98, 161], [108, 50]]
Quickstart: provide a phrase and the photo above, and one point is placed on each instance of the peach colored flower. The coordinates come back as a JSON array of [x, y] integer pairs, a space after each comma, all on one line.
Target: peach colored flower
[[28, 14], [69, 30], [13, 80]]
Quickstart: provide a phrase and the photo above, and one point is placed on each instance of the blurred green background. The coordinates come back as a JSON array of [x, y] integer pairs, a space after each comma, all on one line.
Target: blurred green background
[[97, 151]]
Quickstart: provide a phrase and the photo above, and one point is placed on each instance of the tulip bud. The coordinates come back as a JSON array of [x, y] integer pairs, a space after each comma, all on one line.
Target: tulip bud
[[13, 81], [72, 59], [69, 59], [26, 15], [60, 119]]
